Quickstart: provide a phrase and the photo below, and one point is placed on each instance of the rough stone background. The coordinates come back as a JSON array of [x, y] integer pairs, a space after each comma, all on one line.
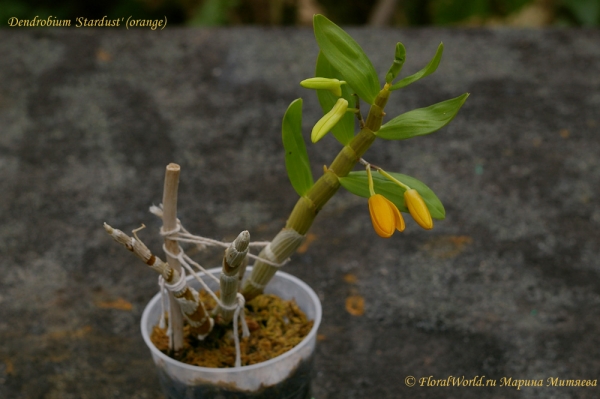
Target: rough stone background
[[507, 286]]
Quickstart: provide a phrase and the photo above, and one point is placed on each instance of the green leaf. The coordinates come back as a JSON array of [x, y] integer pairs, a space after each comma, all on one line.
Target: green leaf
[[296, 158], [347, 57], [421, 121], [428, 70], [357, 183], [344, 130]]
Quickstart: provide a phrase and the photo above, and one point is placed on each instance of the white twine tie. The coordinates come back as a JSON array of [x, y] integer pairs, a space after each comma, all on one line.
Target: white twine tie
[[180, 234]]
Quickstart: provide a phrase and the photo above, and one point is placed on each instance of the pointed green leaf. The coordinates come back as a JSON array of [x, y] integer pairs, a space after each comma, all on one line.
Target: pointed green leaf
[[428, 70], [344, 130], [421, 121], [347, 57], [357, 183], [296, 158]]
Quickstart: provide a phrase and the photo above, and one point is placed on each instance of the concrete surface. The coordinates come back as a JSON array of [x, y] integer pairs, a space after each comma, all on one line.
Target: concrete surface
[[507, 286]]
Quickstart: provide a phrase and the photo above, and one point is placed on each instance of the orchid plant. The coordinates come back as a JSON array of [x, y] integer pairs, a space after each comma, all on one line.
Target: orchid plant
[[345, 76]]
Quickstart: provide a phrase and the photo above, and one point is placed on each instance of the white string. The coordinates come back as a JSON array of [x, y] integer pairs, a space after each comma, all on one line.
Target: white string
[[185, 261], [172, 231], [178, 286], [180, 234], [245, 332], [161, 284]]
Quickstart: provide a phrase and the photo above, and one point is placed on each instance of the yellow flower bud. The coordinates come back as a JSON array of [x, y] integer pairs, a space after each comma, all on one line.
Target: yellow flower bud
[[333, 85], [329, 120], [385, 216], [417, 208]]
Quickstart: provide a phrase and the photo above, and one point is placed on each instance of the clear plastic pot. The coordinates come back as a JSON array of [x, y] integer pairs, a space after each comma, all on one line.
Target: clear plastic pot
[[287, 376]]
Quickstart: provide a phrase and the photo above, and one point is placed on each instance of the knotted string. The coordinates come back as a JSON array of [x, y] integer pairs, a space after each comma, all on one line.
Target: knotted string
[[180, 234]]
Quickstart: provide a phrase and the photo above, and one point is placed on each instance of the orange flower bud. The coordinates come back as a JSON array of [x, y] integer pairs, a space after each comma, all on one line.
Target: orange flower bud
[[385, 216], [417, 208]]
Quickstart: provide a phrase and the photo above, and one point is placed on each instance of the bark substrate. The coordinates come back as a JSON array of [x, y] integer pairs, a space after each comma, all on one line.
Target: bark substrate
[[275, 325]]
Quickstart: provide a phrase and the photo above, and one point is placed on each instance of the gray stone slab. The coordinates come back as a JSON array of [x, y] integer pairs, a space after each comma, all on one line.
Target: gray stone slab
[[506, 286]]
